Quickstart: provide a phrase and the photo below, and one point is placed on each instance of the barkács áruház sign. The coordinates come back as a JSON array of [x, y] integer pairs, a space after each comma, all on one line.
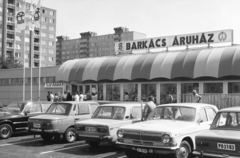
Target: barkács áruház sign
[[175, 41]]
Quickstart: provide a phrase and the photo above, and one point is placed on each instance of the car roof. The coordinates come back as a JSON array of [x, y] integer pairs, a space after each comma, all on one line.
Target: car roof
[[194, 105], [230, 109], [76, 102], [123, 104]]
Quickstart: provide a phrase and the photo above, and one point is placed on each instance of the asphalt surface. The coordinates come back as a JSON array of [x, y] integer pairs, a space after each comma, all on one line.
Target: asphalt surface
[[26, 146]]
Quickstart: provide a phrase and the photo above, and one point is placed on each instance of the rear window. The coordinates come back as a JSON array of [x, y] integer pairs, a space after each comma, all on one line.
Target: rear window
[[45, 107], [59, 109], [93, 107]]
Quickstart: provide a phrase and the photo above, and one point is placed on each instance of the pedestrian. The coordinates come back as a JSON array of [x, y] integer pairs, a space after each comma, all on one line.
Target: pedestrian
[[76, 97], [169, 98], [126, 96], [48, 96], [148, 108], [196, 97], [59, 97], [51, 96], [81, 96], [56, 98], [69, 96], [64, 96]]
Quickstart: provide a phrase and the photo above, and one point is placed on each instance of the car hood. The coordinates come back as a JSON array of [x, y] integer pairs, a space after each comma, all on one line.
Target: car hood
[[159, 126], [5, 114], [105, 122], [48, 117], [219, 134]]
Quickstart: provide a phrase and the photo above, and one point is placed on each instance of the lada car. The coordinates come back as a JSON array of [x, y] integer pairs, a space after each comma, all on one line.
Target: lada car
[[15, 116], [223, 138], [169, 129], [59, 119], [106, 120]]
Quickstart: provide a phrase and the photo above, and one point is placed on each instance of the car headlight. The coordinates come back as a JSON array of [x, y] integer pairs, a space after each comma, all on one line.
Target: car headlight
[[166, 138], [120, 134], [56, 122]]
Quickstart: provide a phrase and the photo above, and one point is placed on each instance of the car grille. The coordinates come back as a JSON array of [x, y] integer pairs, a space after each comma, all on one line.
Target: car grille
[[142, 138]]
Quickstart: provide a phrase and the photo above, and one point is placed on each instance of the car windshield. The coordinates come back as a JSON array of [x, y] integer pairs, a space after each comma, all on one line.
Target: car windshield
[[15, 108], [226, 120], [109, 112], [59, 109], [173, 113]]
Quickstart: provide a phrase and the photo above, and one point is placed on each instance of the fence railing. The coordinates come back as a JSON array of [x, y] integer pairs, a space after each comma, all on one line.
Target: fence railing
[[220, 100]]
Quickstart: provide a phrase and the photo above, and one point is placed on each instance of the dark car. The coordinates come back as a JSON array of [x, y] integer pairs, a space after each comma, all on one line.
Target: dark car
[[223, 138], [15, 116]]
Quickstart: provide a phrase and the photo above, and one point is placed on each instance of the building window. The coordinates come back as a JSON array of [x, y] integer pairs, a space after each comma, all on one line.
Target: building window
[[113, 92], [213, 87], [18, 46], [168, 87], [189, 87], [27, 39], [51, 12], [18, 38], [43, 50], [43, 11], [51, 36], [18, 55], [26, 47], [44, 34], [43, 42], [51, 20], [27, 32], [51, 43], [130, 92], [50, 58], [44, 26], [44, 19], [51, 28], [51, 51], [26, 56], [148, 90], [234, 87]]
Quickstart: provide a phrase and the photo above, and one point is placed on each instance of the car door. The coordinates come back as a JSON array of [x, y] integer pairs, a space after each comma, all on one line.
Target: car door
[[32, 109], [136, 114], [203, 119]]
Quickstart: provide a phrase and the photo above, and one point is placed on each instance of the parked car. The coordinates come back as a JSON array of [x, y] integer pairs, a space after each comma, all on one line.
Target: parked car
[[15, 116], [169, 129], [223, 138], [60, 118], [106, 120]]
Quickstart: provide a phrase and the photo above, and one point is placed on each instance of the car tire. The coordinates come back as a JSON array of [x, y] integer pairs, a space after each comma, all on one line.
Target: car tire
[[70, 135], [5, 131], [93, 144], [47, 137], [184, 150], [132, 153]]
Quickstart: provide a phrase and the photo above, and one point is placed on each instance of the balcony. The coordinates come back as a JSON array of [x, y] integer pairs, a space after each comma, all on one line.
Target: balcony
[[36, 44], [10, 48], [10, 31], [10, 23], [10, 40], [11, 5], [10, 14], [36, 60]]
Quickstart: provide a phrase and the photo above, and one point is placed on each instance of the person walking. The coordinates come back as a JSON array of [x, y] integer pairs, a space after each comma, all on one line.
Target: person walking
[[56, 98], [51, 96], [48, 96], [69, 96], [81, 96], [64, 96], [76, 97], [148, 108], [59, 97], [196, 97]]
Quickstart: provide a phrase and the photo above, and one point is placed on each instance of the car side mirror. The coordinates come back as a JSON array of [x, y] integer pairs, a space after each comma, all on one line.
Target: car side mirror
[[26, 112], [127, 117]]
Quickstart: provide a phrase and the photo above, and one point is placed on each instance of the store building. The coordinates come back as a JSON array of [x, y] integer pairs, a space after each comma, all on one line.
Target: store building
[[213, 71], [92, 45], [12, 41]]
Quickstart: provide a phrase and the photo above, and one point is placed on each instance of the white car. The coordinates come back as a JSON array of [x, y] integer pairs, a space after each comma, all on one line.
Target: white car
[[170, 128], [106, 120]]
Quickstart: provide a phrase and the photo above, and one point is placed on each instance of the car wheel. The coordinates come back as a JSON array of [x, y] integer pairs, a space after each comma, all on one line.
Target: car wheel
[[47, 137], [94, 144], [70, 135], [5, 131], [132, 153], [184, 150]]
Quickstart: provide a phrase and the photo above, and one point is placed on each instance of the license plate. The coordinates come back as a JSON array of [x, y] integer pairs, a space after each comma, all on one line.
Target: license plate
[[142, 150], [224, 146], [90, 129], [36, 125]]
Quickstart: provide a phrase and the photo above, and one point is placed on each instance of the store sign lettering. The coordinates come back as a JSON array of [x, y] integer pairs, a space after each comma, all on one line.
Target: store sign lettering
[[52, 85], [173, 41]]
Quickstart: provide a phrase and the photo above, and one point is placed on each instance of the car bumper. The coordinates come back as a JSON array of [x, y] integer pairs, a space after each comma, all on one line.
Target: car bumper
[[36, 130], [202, 154], [147, 149], [95, 138]]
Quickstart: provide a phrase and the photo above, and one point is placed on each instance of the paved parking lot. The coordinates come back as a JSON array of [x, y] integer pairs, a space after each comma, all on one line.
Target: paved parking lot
[[26, 146]]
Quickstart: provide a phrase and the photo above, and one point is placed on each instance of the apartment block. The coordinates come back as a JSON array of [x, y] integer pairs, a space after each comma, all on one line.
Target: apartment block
[[42, 41], [92, 45]]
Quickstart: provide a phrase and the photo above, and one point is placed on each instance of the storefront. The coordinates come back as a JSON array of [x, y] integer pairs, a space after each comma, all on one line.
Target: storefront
[[208, 70]]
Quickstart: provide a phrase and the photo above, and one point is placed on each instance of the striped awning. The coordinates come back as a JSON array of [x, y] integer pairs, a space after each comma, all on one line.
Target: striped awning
[[211, 62]]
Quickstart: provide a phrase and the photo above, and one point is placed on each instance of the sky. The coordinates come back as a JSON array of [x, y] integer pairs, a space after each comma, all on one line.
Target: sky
[[155, 18]]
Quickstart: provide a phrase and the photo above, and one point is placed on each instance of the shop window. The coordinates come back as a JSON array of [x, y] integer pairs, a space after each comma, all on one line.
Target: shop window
[[148, 90], [130, 92], [213, 88], [189, 87], [171, 88], [234, 87], [113, 92]]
